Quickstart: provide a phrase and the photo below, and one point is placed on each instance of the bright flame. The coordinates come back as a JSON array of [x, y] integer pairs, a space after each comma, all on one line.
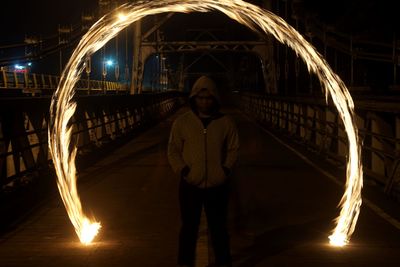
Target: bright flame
[[89, 231], [62, 107], [338, 240]]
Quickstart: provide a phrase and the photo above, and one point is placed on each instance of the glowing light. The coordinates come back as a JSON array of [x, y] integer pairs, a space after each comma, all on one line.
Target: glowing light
[[62, 107], [19, 67], [338, 240], [110, 63], [122, 17], [89, 231], [29, 64]]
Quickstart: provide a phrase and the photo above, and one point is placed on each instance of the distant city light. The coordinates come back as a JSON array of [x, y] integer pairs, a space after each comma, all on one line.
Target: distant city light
[[19, 67]]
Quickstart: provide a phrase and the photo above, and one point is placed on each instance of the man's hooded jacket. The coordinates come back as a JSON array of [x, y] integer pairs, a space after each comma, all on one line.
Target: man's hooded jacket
[[210, 150]]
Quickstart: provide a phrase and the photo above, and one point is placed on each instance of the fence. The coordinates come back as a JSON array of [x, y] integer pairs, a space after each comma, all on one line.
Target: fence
[[97, 121], [317, 125], [33, 83]]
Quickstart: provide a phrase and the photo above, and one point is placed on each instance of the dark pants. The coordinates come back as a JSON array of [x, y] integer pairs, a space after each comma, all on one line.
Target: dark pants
[[215, 201]]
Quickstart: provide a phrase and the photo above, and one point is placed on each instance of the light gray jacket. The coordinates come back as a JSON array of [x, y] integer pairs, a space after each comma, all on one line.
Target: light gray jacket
[[204, 150]]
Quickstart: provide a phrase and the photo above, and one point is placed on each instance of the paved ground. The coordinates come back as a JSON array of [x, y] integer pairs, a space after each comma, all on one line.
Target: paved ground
[[281, 213]]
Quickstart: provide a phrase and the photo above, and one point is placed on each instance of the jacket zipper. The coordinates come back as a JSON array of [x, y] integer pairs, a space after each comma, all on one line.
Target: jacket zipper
[[205, 150]]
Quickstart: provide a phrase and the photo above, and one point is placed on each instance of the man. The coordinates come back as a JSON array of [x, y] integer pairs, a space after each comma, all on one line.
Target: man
[[202, 148]]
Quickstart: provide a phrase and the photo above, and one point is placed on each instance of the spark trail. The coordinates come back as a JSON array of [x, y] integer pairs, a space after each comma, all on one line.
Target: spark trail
[[260, 20]]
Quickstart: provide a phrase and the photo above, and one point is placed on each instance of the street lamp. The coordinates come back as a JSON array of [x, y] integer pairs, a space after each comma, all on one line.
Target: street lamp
[[88, 69], [109, 63], [106, 64]]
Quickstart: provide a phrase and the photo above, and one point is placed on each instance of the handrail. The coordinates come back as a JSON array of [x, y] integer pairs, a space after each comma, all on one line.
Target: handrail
[[33, 82], [316, 124], [99, 120]]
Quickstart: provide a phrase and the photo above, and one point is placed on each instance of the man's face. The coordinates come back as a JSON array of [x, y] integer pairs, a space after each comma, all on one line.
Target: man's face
[[204, 101]]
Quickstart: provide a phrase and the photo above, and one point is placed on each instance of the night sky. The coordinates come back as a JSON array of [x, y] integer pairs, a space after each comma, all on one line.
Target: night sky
[[39, 17], [376, 20]]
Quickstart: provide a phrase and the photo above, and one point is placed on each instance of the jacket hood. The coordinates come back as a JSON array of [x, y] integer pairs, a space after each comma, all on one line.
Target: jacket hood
[[205, 83]]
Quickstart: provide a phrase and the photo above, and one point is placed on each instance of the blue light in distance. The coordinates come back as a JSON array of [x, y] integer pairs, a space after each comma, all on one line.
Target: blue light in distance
[[19, 67]]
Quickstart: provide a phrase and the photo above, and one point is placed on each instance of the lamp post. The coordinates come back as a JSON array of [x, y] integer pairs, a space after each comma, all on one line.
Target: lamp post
[[106, 63], [126, 61], [104, 74], [64, 34], [163, 74], [88, 69]]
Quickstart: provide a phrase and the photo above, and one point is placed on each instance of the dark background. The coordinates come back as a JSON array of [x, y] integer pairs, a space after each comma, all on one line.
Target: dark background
[[375, 20], [39, 17]]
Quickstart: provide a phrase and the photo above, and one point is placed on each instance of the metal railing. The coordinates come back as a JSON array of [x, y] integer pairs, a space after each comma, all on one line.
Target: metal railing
[[97, 121], [45, 84], [316, 124]]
